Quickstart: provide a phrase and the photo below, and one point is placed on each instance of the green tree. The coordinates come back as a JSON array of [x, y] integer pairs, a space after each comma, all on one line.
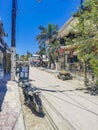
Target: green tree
[[29, 54], [23, 57], [87, 37], [53, 49], [42, 51], [48, 33]]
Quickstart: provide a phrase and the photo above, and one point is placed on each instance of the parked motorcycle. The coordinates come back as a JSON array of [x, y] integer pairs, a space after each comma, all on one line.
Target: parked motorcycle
[[32, 97]]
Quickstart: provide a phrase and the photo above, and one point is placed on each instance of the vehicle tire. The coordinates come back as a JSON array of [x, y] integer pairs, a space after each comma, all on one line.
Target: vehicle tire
[[63, 77], [66, 77], [38, 104], [71, 77], [58, 76]]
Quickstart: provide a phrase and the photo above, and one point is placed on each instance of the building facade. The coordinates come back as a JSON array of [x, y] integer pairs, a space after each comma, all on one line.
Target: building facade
[[5, 52]]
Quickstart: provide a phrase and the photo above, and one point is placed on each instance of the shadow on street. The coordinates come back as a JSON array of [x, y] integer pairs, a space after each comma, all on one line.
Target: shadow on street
[[51, 90], [92, 90], [3, 89]]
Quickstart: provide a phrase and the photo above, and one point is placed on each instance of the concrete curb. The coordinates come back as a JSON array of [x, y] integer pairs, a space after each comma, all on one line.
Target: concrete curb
[[11, 116], [21, 122]]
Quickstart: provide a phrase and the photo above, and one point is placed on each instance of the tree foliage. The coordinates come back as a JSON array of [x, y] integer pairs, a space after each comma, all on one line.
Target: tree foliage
[[87, 33], [24, 57], [46, 34], [29, 54], [48, 41]]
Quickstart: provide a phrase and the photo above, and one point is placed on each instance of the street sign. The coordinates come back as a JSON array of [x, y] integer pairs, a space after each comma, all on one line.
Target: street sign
[[1, 73], [23, 73], [25, 69]]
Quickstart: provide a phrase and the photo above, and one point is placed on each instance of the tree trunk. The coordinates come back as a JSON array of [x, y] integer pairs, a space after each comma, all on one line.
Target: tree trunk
[[85, 74]]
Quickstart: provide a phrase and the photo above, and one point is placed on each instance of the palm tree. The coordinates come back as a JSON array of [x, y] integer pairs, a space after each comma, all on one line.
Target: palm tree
[[53, 47], [47, 40], [48, 33]]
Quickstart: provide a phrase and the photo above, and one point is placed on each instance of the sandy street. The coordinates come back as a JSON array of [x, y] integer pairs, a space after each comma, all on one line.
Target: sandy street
[[68, 108]]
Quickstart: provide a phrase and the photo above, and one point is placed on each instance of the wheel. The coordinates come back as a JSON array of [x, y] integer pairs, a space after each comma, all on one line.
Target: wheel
[[71, 77], [63, 77], [20, 84], [38, 104], [66, 77], [58, 76]]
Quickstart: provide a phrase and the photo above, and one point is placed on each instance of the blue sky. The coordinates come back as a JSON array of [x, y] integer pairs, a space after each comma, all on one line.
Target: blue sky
[[30, 15]]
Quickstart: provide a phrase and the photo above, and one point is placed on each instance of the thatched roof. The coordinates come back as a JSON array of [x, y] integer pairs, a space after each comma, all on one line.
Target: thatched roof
[[67, 27]]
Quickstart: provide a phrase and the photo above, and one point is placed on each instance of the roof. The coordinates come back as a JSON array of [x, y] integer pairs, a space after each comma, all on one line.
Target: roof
[[67, 27]]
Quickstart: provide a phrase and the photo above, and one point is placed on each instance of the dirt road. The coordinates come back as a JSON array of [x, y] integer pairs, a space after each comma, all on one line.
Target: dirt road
[[68, 108]]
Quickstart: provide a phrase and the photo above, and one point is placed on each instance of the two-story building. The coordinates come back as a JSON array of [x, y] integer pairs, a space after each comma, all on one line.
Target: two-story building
[[67, 53]]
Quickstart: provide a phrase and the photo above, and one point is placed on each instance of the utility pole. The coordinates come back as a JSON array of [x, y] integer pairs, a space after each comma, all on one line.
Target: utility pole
[[13, 41], [81, 4]]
